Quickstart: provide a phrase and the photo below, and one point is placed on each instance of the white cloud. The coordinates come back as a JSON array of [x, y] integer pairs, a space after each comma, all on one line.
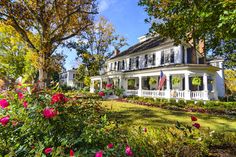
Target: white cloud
[[105, 4]]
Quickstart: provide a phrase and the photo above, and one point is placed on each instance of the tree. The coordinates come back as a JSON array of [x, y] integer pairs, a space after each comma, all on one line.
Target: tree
[[93, 46], [12, 54], [212, 21], [230, 81], [53, 21]]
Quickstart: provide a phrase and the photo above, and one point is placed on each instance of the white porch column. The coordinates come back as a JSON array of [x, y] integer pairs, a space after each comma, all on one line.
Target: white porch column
[[167, 91], [205, 87], [140, 86], [101, 84], [92, 87], [187, 92], [215, 88], [120, 82]]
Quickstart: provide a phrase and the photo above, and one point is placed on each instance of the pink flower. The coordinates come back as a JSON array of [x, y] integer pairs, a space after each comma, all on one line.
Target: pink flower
[[109, 85], [99, 154], [58, 98], [110, 145], [196, 125], [101, 93], [25, 104], [145, 129], [4, 103], [49, 112], [4, 120], [128, 151], [20, 95], [72, 153], [47, 150], [193, 118]]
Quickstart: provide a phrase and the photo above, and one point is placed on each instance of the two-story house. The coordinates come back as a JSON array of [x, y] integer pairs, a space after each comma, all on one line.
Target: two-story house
[[133, 68], [68, 78]]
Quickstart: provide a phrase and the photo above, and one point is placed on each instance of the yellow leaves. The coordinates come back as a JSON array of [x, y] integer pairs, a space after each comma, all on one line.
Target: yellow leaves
[[230, 80]]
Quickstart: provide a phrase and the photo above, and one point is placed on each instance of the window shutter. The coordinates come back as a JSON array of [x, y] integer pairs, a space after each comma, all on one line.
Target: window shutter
[[162, 57], [153, 59], [172, 56]]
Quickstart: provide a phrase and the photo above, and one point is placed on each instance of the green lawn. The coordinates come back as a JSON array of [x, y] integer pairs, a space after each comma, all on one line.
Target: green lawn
[[136, 115]]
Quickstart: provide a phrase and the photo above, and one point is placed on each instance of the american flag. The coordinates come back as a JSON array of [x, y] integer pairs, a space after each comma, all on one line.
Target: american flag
[[161, 81]]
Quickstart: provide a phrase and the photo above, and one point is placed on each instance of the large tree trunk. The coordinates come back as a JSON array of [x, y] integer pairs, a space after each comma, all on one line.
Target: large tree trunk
[[42, 77]]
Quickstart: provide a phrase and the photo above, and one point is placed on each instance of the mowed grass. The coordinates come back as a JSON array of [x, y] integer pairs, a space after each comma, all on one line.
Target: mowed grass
[[133, 115]]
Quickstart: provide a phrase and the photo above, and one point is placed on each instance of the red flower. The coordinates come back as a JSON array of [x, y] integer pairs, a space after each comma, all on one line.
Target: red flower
[[194, 118], [25, 104], [110, 145], [101, 93], [58, 98], [196, 125], [72, 153], [47, 150], [109, 85], [4, 103], [49, 112], [145, 129], [128, 151], [4, 120], [99, 154], [20, 95]]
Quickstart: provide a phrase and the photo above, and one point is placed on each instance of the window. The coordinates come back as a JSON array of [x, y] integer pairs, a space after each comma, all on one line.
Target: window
[[172, 56], [111, 67], [119, 66], [153, 59], [146, 60], [123, 65], [115, 66], [162, 57], [137, 62], [167, 57], [130, 63]]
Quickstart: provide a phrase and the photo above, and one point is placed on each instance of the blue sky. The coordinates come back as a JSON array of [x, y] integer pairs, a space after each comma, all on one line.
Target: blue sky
[[127, 18]]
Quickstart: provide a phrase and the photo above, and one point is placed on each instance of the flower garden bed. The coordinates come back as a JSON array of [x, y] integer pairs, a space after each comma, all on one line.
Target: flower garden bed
[[49, 123], [211, 107]]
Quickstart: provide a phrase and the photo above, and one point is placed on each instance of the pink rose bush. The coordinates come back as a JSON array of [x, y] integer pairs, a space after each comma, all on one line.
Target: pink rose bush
[[109, 85], [4, 120], [58, 98], [49, 113], [99, 154], [128, 151], [4, 103], [101, 93], [48, 150]]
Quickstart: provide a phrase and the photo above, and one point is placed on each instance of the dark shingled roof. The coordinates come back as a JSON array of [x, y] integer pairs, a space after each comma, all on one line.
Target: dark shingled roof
[[145, 45]]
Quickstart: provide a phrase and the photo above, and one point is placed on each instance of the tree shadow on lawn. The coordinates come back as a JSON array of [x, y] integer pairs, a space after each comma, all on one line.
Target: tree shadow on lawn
[[140, 116]]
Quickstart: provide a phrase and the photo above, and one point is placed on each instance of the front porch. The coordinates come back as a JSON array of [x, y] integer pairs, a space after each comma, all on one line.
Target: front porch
[[139, 83]]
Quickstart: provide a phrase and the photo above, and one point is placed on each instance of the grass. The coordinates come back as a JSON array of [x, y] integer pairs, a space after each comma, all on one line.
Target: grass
[[131, 115]]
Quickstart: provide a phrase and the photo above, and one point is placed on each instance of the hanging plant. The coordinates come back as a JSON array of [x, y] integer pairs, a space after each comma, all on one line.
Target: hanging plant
[[131, 82], [176, 80], [196, 81], [152, 81]]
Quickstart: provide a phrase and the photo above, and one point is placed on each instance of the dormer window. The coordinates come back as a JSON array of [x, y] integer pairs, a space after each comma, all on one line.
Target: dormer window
[[130, 63], [167, 56], [172, 56], [146, 60], [137, 62], [123, 65], [153, 59]]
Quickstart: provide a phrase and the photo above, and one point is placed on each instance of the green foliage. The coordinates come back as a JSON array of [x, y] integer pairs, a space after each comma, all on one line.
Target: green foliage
[[131, 83], [118, 91], [211, 21], [152, 81], [176, 80], [196, 81], [87, 81]]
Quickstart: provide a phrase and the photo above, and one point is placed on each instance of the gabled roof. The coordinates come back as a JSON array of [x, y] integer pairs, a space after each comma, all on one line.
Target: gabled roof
[[145, 45]]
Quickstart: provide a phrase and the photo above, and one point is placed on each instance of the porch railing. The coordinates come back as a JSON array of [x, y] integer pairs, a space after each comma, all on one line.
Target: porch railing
[[153, 93], [131, 92], [197, 95], [177, 94]]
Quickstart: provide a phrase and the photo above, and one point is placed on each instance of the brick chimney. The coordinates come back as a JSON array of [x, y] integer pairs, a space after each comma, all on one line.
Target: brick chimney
[[116, 51]]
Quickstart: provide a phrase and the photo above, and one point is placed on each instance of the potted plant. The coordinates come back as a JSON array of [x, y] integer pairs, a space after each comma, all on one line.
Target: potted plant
[[152, 81], [196, 81], [176, 80]]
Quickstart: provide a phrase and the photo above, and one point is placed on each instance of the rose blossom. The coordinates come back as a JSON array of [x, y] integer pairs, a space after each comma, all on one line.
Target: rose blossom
[[128, 151], [109, 85], [4, 120], [196, 125], [110, 145], [47, 150], [193, 118], [58, 98], [25, 104], [72, 153], [99, 154], [49, 112], [4, 103], [101, 93], [20, 95]]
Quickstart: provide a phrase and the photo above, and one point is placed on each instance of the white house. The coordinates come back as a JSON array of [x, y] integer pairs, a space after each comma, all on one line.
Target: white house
[[68, 78], [133, 68]]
